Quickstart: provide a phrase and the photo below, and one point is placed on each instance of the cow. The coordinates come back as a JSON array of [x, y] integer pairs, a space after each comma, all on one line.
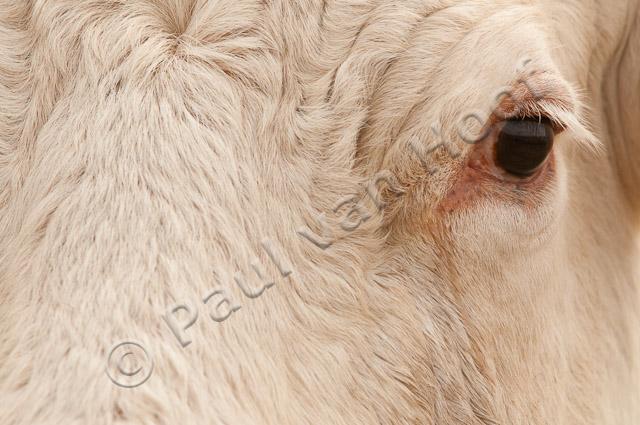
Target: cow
[[319, 212]]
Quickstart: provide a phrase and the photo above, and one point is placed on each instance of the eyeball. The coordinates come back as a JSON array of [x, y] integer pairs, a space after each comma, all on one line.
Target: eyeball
[[523, 145]]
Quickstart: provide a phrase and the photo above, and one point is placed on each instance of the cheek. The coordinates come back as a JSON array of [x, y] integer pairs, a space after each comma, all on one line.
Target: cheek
[[485, 214], [482, 207]]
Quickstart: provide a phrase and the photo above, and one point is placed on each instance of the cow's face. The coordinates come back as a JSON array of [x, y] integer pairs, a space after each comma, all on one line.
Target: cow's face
[[354, 211], [484, 138], [476, 132]]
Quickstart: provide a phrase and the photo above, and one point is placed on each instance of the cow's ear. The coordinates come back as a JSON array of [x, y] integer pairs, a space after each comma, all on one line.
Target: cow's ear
[[622, 83]]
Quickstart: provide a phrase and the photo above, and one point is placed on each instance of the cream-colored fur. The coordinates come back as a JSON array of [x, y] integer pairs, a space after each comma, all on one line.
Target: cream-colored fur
[[148, 148]]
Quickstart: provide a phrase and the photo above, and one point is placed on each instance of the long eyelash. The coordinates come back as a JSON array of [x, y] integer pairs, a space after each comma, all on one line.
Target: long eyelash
[[564, 119], [572, 123]]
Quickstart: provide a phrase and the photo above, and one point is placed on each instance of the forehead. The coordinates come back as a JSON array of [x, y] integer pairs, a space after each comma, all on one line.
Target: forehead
[[365, 76]]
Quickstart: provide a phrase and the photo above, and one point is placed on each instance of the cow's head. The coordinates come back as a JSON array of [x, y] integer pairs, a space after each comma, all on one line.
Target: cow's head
[[321, 212]]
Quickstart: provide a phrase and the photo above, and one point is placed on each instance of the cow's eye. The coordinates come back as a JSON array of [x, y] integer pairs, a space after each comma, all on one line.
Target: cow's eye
[[523, 145]]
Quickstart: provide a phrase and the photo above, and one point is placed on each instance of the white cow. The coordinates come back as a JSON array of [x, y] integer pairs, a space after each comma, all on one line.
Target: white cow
[[319, 212]]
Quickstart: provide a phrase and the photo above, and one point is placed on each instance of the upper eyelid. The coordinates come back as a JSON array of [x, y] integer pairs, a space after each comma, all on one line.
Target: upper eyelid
[[546, 95]]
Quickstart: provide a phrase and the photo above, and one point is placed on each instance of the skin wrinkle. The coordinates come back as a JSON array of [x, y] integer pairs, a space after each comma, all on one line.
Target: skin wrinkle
[[612, 115], [424, 16], [412, 110]]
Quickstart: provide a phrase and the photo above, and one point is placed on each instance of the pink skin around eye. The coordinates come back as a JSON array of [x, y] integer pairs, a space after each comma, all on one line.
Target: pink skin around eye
[[480, 178]]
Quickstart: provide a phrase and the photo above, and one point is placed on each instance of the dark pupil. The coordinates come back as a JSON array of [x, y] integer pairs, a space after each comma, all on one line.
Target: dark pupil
[[523, 145]]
